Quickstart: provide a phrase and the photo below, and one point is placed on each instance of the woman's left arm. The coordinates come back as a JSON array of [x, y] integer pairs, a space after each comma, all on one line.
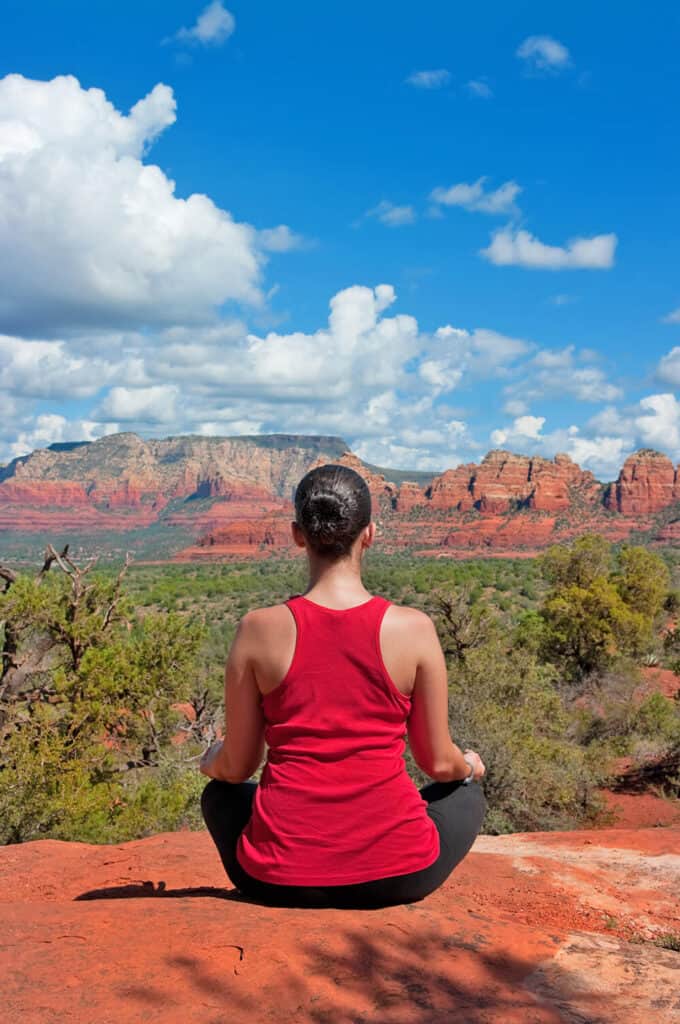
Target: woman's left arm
[[237, 756]]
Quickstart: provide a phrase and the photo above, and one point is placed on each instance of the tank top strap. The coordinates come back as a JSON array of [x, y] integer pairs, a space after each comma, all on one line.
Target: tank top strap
[[365, 618]]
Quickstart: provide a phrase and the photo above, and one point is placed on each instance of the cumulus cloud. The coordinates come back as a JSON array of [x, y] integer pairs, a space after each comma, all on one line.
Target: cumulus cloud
[[156, 404], [97, 235], [668, 369], [392, 216], [280, 239], [369, 374], [479, 353], [429, 79], [511, 247], [46, 369], [559, 373], [673, 317], [214, 25], [473, 197], [479, 87], [543, 53], [523, 427], [658, 423]]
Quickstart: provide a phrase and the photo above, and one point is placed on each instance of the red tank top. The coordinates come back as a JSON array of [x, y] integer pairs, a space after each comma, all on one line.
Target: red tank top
[[335, 804]]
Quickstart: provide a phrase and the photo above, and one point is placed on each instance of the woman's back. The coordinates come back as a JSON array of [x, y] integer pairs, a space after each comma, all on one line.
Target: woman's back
[[335, 725]]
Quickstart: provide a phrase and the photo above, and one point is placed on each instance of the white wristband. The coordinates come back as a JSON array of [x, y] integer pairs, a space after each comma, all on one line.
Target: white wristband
[[468, 778]]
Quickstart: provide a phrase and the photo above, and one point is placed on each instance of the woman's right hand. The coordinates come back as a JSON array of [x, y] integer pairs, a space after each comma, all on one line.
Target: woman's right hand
[[473, 758]]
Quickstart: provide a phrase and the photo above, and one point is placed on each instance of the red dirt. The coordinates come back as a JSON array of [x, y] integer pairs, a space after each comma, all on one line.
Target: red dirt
[[530, 929], [641, 810]]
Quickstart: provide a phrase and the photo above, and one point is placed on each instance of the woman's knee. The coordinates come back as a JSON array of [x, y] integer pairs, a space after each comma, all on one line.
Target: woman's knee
[[231, 800], [209, 797]]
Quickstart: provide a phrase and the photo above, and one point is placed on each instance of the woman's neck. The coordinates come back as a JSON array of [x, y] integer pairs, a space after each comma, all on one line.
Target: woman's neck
[[336, 582]]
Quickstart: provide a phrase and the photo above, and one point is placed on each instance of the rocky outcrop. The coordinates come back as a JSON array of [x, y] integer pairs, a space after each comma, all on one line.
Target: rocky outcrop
[[534, 927], [138, 479], [233, 496], [647, 483], [504, 482]]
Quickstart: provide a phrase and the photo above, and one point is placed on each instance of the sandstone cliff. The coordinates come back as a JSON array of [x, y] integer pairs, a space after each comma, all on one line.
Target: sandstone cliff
[[233, 496], [647, 483]]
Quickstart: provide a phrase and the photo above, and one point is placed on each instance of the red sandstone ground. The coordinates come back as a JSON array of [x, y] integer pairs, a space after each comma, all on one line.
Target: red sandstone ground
[[535, 928]]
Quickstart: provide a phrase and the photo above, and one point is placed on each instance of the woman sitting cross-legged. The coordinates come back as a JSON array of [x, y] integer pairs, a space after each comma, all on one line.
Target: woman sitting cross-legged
[[333, 680]]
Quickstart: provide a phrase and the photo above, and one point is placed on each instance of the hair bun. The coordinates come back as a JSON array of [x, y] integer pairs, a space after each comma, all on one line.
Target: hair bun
[[332, 505], [325, 505]]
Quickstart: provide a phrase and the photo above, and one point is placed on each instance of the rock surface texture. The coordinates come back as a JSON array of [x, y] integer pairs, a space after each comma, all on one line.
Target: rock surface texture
[[232, 497], [533, 928]]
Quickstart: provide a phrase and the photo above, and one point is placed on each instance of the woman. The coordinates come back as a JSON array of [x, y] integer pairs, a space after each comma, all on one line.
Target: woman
[[332, 680]]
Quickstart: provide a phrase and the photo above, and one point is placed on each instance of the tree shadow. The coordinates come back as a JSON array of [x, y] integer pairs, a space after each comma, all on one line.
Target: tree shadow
[[398, 976], [337, 966]]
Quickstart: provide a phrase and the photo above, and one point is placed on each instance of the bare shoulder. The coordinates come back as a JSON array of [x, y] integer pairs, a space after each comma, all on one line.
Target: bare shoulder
[[401, 617], [265, 623], [258, 619]]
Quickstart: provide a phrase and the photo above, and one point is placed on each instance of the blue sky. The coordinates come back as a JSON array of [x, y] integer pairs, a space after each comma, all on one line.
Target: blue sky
[[484, 198]]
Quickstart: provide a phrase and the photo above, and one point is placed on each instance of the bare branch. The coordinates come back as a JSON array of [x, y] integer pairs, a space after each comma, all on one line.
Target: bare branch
[[50, 556]]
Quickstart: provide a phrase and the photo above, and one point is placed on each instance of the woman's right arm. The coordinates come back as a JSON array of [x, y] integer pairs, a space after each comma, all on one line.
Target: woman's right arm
[[428, 725]]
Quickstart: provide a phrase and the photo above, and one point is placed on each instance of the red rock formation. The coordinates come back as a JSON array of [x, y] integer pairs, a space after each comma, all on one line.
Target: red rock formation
[[244, 488], [452, 489], [647, 483], [532, 927], [410, 495]]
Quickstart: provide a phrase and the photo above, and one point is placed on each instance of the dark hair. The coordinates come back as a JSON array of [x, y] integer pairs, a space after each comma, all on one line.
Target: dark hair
[[332, 506]]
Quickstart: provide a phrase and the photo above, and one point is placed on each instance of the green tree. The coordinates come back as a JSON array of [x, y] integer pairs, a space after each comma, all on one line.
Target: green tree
[[88, 732], [587, 559], [597, 608], [643, 580]]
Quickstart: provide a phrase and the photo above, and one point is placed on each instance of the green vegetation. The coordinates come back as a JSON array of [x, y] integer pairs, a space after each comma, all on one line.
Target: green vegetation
[[544, 656]]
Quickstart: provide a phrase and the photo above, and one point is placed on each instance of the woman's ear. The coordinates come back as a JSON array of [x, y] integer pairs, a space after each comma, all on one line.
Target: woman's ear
[[369, 535], [298, 535]]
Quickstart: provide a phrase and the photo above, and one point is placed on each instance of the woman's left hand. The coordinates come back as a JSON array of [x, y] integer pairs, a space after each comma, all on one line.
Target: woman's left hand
[[210, 759]]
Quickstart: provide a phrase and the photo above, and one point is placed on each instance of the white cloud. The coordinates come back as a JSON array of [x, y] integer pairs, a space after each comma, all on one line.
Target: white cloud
[[214, 25], [668, 369], [562, 300], [602, 455], [479, 87], [473, 197], [557, 373], [658, 424], [480, 353], [156, 404], [519, 248], [543, 53], [369, 375], [96, 235], [280, 239], [515, 407], [523, 428], [673, 317], [392, 216], [46, 369], [429, 79]]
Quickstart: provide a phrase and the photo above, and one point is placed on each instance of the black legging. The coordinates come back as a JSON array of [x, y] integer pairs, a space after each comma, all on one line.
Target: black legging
[[457, 811]]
